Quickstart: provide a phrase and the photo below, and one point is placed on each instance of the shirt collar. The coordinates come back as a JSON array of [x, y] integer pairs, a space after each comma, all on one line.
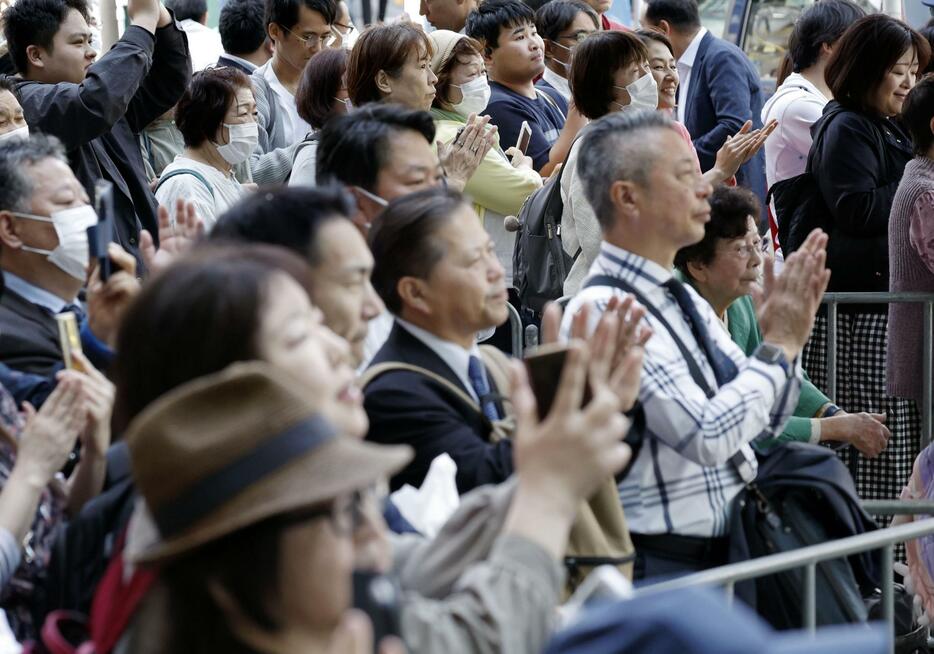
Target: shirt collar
[[636, 270], [799, 80], [455, 356], [558, 83], [249, 65], [687, 59], [32, 293]]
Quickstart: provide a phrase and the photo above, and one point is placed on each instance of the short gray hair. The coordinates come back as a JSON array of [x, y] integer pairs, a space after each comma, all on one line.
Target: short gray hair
[[618, 146], [16, 155]]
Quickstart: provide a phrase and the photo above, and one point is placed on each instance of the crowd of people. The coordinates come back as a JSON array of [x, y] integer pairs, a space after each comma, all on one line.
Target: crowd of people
[[289, 249]]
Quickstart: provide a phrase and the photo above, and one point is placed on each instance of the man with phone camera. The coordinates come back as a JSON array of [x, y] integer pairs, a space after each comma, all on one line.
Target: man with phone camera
[[702, 399], [97, 107], [45, 259]]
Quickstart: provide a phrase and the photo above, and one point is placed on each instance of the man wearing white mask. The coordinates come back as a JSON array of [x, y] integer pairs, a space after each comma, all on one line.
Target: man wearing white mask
[[503, 180], [562, 24], [44, 215], [216, 118], [12, 122]]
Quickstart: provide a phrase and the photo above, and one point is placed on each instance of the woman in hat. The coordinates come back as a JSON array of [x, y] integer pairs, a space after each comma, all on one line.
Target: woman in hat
[[508, 577], [504, 180]]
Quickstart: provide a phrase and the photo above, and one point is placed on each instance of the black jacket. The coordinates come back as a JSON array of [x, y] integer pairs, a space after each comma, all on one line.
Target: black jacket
[[858, 166], [99, 120], [407, 407], [28, 336]]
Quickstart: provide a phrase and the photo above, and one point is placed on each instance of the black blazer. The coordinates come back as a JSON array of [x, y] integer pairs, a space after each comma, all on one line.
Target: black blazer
[[407, 407], [28, 336], [858, 165]]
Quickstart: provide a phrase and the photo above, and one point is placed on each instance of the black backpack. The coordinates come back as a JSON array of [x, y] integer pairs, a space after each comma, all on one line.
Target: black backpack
[[539, 263], [799, 206]]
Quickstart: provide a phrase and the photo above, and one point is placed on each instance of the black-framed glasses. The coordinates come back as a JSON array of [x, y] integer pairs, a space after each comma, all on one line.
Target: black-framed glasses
[[347, 513]]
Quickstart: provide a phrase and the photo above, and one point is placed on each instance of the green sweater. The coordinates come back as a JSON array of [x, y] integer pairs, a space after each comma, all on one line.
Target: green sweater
[[744, 330]]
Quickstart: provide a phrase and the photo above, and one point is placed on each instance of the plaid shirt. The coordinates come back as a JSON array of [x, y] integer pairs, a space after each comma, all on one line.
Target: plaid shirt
[[682, 481]]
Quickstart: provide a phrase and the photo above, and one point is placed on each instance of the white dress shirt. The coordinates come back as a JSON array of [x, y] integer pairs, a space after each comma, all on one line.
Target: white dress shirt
[[204, 44], [295, 127], [560, 84], [796, 104], [456, 357], [685, 64]]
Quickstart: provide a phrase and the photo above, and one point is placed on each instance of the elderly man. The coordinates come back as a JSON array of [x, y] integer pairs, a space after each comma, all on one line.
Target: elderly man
[[44, 214], [703, 400]]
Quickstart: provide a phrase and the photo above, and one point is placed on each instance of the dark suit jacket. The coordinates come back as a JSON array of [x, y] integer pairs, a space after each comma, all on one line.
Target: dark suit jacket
[[28, 336], [224, 60], [99, 120], [407, 407], [724, 93]]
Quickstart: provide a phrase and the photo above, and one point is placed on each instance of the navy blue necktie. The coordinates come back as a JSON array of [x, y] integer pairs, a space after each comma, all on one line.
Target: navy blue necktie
[[481, 386], [724, 370]]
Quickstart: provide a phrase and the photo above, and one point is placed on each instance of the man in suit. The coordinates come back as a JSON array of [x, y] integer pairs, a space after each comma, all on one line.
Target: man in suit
[[719, 89], [243, 34], [44, 214], [98, 108], [437, 272]]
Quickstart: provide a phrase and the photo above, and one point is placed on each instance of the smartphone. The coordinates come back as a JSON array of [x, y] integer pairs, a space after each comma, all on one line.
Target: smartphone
[[101, 234], [545, 366], [69, 338], [379, 597], [525, 135]]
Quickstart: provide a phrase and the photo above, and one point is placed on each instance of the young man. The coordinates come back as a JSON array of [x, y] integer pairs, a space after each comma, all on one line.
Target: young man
[[98, 109], [514, 56], [719, 89], [204, 43], [243, 34], [562, 24], [447, 14], [298, 29]]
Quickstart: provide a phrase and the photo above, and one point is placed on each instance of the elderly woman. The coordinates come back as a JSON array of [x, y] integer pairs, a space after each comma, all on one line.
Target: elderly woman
[[321, 95], [392, 63], [503, 180], [724, 268], [217, 118], [12, 122]]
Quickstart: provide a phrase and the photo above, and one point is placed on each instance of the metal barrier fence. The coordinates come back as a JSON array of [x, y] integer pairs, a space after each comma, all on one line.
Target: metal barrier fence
[[808, 557], [926, 300]]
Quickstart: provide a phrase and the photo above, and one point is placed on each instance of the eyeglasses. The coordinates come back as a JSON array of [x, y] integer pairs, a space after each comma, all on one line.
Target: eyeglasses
[[313, 40], [577, 37], [346, 513]]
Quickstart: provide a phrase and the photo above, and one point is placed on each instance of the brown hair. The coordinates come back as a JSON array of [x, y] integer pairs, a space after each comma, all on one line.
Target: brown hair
[[381, 47], [865, 53], [465, 47], [647, 35], [596, 61], [201, 110], [320, 83]]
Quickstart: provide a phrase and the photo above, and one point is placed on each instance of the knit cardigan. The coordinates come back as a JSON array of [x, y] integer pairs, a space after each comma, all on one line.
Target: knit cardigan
[[907, 272]]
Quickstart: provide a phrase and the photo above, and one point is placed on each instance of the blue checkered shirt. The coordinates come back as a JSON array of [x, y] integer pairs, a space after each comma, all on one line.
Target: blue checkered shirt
[[682, 481]]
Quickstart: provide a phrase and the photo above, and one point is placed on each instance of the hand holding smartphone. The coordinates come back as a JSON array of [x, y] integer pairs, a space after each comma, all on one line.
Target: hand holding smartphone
[[101, 234], [69, 338]]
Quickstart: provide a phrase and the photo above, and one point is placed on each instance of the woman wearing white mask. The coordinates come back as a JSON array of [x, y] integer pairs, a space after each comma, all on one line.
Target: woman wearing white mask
[[503, 180], [217, 118]]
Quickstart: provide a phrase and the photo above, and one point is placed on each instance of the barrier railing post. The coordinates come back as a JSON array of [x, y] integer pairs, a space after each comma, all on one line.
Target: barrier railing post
[[730, 591], [927, 371], [832, 350], [888, 588], [810, 597], [515, 331]]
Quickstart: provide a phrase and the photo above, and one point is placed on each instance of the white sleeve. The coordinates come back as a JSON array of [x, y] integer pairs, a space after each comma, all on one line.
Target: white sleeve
[[191, 189]]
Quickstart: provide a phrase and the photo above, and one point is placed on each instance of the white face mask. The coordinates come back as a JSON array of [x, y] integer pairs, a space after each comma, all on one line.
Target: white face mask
[[643, 94], [476, 94], [20, 133], [243, 140], [71, 226]]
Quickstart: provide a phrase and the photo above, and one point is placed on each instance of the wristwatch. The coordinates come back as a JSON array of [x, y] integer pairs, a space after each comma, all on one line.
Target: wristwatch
[[773, 355]]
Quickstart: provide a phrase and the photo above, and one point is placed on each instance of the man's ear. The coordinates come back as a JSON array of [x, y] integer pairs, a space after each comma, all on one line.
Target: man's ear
[[625, 196], [664, 27], [274, 32], [9, 231], [411, 291], [35, 56], [487, 56]]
